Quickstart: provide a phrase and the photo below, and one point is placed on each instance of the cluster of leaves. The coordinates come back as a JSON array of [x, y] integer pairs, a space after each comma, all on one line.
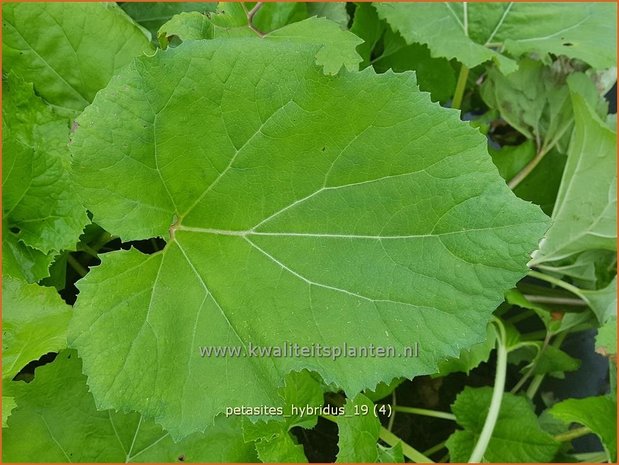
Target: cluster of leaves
[[260, 174]]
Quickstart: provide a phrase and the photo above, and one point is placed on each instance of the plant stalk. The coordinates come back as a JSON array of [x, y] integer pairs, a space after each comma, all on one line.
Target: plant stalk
[[497, 397], [460, 86], [573, 434], [557, 282], [425, 412]]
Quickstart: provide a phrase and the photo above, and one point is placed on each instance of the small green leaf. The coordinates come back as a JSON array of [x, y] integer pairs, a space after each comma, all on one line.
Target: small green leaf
[[334, 11], [20, 261], [34, 320], [359, 430], [56, 420], [302, 395], [596, 413], [469, 358], [337, 47], [555, 361], [517, 436], [152, 15], [186, 26]]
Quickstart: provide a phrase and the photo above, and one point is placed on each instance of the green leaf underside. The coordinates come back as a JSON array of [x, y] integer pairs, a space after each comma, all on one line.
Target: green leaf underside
[[597, 413], [517, 436], [281, 233], [34, 320], [585, 213], [586, 31], [38, 196], [58, 416], [58, 47]]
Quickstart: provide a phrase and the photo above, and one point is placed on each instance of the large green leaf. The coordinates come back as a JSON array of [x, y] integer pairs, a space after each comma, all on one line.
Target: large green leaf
[[39, 202], [597, 413], [517, 436], [585, 213], [308, 213], [56, 420], [68, 50], [475, 33], [34, 322]]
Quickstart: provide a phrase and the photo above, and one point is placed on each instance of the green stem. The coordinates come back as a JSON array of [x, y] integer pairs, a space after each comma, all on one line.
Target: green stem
[[573, 434], [460, 86], [497, 396], [77, 266], [521, 315], [557, 282], [537, 380], [425, 412], [591, 457], [544, 299], [408, 451], [531, 369], [434, 449], [394, 404], [524, 172]]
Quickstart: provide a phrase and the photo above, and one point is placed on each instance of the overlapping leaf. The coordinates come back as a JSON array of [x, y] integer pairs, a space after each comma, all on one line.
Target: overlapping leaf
[[58, 416], [336, 46], [478, 32], [34, 320], [597, 413], [585, 215], [69, 51], [41, 210]]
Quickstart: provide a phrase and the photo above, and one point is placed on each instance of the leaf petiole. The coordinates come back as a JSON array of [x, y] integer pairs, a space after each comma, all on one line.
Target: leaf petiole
[[425, 412], [497, 395]]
